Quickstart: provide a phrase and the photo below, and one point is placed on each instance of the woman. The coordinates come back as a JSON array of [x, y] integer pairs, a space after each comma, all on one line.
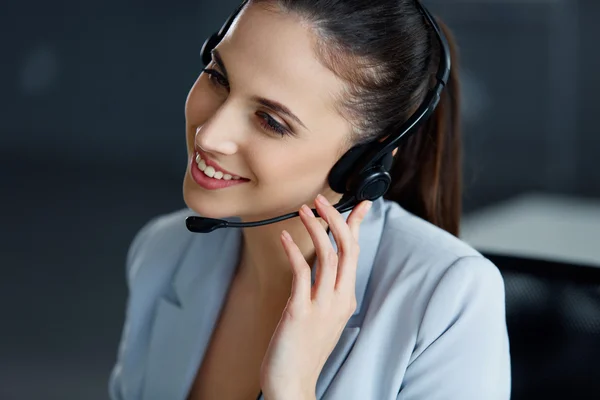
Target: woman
[[399, 307]]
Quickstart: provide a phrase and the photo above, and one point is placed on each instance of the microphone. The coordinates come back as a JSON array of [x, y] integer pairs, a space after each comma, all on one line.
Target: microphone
[[205, 225]]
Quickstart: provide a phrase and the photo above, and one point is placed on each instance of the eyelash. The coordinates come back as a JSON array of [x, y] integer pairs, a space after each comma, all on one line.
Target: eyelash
[[267, 121]]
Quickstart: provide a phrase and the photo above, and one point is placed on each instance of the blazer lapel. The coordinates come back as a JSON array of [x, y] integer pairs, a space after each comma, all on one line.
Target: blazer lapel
[[187, 313]]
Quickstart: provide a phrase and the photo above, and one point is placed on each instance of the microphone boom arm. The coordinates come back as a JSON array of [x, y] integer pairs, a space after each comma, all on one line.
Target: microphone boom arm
[[205, 225]]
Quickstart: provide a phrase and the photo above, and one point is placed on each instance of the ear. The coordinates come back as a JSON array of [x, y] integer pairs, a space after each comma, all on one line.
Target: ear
[[393, 151]]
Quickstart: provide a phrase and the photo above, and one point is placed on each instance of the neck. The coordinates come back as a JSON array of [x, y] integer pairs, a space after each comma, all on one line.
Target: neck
[[264, 265]]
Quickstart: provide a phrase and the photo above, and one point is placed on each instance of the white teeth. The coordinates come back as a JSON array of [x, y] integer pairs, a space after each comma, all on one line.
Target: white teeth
[[210, 171]]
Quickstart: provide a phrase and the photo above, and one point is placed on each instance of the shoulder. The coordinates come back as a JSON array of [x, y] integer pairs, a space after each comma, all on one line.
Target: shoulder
[[151, 260], [410, 244], [446, 277], [420, 235], [161, 238], [449, 304]]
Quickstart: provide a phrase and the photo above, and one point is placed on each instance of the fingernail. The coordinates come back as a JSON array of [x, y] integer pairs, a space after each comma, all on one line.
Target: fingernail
[[286, 236], [368, 206], [322, 199], [307, 211]]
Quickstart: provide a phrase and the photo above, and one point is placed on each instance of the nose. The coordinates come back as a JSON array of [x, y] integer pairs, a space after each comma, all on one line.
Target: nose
[[218, 135]]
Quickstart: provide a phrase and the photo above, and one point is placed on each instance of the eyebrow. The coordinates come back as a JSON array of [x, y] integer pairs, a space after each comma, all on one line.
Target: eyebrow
[[272, 104]]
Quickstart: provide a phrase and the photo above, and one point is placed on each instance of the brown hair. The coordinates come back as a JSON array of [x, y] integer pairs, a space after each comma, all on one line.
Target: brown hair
[[427, 171]]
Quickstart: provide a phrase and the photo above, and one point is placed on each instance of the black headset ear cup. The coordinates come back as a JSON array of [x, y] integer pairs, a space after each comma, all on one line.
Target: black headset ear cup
[[340, 177], [372, 184], [342, 170], [208, 46]]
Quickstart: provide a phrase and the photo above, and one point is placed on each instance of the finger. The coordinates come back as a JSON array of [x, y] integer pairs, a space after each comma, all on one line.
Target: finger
[[326, 256], [337, 224], [346, 278], [357, 216], [346, 243], [300, 294]]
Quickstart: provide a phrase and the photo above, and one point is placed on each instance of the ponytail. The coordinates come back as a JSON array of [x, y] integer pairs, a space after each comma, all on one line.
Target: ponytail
[[427, 170]]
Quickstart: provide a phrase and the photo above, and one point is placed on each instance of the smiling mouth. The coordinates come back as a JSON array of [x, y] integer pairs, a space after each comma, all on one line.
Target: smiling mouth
[[213, 173]]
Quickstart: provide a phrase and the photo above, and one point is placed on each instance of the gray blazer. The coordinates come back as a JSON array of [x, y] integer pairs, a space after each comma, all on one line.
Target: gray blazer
[[429, 323]]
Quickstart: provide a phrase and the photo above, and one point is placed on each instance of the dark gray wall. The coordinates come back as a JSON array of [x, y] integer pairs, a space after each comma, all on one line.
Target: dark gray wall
[[520, 63], [588, 134]]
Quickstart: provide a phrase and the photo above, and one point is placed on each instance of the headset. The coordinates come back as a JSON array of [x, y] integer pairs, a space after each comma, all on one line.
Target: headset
[[363, 172]]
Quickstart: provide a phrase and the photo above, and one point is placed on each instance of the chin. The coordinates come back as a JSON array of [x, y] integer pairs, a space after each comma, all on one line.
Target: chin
[[205, 204]]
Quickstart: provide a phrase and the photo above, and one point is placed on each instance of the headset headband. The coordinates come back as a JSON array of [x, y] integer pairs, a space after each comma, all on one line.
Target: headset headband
[[433, 97]]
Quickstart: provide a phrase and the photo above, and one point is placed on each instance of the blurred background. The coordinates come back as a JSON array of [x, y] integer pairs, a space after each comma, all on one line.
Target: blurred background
[[92, 146]]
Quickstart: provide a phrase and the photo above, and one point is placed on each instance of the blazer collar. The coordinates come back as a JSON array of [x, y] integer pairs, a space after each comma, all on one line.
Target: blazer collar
[[188, 311]]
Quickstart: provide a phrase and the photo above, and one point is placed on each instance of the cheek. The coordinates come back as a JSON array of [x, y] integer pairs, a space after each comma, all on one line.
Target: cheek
[[292, 166]]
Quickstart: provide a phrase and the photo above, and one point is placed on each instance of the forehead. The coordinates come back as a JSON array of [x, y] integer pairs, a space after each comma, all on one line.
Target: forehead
[[271, 54]]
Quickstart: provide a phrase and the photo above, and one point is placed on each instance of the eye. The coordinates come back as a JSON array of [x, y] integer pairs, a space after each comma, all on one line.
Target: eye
[[270, 124], [216, 78], [266, 121]]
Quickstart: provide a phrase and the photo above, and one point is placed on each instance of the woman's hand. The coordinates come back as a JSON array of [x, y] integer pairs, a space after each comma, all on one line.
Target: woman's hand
[[314, 317]]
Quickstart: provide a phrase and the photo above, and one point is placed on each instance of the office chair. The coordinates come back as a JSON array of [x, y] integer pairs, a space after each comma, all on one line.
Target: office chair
[[553, 318]]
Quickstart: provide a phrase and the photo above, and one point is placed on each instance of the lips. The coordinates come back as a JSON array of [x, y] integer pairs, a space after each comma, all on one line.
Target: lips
[[208, 183], [215, 165]]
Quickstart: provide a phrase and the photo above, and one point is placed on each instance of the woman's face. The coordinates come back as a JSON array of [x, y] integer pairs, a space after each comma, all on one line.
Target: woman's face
[[285, 158]]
